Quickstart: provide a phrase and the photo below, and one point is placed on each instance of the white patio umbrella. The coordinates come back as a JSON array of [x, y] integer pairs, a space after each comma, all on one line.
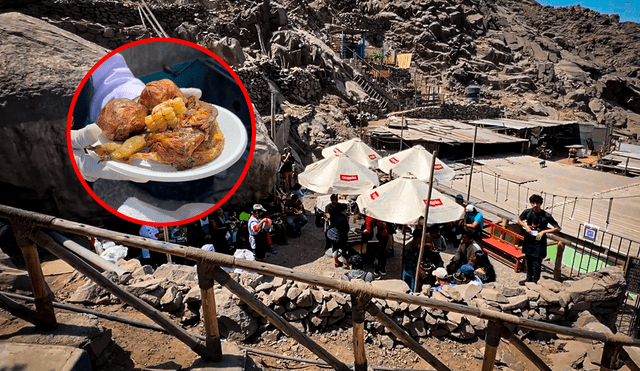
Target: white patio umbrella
[[416, 160], [403, 200], [338, 174], [356, 150]]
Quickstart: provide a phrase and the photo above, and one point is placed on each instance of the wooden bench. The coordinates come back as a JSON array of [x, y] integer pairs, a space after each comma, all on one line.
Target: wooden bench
[[502, 244]]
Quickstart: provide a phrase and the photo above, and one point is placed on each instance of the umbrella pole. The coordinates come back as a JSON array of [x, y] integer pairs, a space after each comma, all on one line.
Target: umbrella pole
[[473, 157], [426, 217], [404, 241]]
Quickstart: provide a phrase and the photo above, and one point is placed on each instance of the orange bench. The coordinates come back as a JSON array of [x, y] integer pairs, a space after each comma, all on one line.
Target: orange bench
[[502, 244]]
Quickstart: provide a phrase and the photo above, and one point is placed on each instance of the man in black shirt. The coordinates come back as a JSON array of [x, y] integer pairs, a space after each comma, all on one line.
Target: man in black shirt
[[537, 223]]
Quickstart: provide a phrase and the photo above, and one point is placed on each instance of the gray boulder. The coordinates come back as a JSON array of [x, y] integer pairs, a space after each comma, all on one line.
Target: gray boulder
[[35, 103], [229, 49]]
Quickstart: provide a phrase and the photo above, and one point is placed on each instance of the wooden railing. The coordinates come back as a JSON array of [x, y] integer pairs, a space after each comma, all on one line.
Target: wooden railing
[[31, 230]]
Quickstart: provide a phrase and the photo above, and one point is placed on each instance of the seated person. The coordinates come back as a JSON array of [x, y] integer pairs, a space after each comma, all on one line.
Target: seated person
[[474, 221], [466, 252], [466, 275], [379, 248], [442, 278], [433, 244], [295, 217], [276, 214], [483, 267], [357, 272]]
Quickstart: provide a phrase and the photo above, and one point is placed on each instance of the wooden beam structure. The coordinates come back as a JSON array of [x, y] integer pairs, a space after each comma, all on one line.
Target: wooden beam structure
[[406, 339], [42, 296], [95, 260], [45, 241], [492, 341], [209, 264], [225, 280], [507, 335], [212, 333], [19, 310], [357, 315]]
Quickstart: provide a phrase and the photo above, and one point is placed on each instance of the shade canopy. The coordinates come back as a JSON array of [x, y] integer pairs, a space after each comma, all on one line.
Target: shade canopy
[[417, 161], [356, 150], [403, 201], [338, 174]]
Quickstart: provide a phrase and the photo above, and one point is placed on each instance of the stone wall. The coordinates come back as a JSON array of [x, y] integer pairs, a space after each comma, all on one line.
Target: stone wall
[[114, 23], [173, 288]]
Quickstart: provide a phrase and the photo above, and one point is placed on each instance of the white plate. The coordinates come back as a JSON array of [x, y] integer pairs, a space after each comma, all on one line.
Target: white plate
[[235, 141]]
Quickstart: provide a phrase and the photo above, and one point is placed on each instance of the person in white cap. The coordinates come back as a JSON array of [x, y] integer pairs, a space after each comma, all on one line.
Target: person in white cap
[[441, 278], [258, 232], [474, 221]]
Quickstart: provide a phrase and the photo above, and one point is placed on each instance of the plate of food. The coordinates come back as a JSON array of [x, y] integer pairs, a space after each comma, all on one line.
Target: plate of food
[[165, 137]]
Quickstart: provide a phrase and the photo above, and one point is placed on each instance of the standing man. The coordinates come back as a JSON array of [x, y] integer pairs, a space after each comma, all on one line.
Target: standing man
[[258, 232], [537, 223], [474, 221], [286, 168]]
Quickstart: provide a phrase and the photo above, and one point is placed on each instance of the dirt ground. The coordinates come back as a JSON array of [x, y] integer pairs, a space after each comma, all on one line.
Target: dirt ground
[[142, 349]]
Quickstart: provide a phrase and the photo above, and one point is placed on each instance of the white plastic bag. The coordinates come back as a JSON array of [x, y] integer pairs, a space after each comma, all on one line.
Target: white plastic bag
[[114, 253], [243, 254]]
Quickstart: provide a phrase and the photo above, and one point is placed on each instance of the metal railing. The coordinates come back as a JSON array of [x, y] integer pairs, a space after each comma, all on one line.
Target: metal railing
[[29, 229]]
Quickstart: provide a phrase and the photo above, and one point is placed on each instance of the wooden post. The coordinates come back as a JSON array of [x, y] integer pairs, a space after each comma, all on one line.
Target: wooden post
[[81, 266], [42, 297], [473, 159], [273, 116], [557, 270], [205, 281], [225, 280], [608, 357], [357, 315], [624, 357], [491, 348], [524, 349], [406, 339]]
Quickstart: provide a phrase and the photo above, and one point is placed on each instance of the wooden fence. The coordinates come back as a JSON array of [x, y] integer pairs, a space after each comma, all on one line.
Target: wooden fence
[[33, 229]]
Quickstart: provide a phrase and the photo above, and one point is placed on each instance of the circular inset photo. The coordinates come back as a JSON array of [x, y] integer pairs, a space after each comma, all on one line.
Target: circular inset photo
[[161, 132]]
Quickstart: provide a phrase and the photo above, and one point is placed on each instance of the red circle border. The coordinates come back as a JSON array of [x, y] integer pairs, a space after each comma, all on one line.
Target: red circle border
[[151, 40]]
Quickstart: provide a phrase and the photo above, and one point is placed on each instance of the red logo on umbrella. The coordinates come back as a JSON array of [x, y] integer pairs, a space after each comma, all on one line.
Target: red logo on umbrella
[[393, 160], [336, 150], [438, 167], [372, 156], [434, 202], [374, 195], [348, 178]]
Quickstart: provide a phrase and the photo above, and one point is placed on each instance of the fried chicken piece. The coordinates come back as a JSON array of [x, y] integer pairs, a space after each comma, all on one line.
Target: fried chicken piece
[[195, 141], [120, 118]]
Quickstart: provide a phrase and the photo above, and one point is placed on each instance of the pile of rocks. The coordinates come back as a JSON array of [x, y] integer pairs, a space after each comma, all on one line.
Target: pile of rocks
[[173, 288], [457, 111], [256, 81], [300, 83]]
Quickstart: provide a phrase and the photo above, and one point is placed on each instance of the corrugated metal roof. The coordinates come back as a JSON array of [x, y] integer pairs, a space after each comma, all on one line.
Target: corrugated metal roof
[[503, 123], [440, 131]]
